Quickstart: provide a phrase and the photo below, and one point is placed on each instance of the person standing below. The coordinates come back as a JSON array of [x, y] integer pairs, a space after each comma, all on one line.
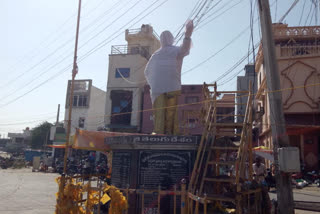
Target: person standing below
[[259, 170], [163, 74]]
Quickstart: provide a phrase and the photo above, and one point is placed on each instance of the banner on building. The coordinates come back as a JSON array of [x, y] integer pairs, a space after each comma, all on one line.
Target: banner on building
[[94, 140]]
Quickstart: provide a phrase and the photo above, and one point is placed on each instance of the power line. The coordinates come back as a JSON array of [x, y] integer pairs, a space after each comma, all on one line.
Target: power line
[[49, 43], [106, 41], [33, 117], [304, 4], [131, 82], [305, 23], [63, 59], [288, 11], [209, 100], [204, 9], [99, 46], [27, 122], [242, 59], [51, 54], [121, 15], [216, 53], [217, 16]]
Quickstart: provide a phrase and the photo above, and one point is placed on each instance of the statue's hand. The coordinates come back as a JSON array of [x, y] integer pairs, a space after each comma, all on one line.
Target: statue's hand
[[189, 29]]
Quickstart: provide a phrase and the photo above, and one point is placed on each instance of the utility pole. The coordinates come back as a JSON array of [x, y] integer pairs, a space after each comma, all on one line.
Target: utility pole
[[74, 73], [278, 127], [58, 113]]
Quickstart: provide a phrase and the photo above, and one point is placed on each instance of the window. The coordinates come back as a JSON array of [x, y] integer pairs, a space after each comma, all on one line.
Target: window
[[122, 72], [121, 107], [81, 122], [80, 101], [19, 140], [192, 99], [75, 101], [192, 123], [259, 78]]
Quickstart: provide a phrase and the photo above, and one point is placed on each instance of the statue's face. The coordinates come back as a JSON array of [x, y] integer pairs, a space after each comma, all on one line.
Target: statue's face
[[166, 38]]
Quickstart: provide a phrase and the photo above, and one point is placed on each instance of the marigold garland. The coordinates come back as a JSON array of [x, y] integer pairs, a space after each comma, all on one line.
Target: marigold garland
[[68, 202]]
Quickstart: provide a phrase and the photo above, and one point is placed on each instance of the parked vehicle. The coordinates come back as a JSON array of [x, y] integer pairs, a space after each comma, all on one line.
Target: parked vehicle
[[311, 177]]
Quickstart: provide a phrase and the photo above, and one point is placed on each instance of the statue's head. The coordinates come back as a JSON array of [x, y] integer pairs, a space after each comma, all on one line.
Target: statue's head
[[166, 38]]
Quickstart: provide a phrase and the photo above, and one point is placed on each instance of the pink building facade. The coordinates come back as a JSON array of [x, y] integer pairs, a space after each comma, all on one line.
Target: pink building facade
[[298, 56]]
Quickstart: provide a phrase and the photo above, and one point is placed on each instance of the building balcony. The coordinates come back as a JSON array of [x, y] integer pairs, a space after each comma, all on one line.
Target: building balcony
[[299, 50], [131, 50]]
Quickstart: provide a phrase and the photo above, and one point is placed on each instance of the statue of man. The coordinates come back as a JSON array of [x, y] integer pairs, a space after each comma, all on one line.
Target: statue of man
[[163, 74]]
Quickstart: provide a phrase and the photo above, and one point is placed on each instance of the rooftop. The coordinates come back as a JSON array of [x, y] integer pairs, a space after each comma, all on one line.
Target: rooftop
[[283, 32]]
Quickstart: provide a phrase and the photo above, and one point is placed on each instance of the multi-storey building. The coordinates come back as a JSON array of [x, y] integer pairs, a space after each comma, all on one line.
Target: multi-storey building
[[243, 85], [88, 105], [298, 58], [126, 79]]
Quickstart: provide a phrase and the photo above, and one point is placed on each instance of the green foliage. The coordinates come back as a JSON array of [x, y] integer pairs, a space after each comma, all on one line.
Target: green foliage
[[40, 134]]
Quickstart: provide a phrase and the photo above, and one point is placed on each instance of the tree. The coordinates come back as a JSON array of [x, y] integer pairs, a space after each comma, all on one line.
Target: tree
[[40, 135]]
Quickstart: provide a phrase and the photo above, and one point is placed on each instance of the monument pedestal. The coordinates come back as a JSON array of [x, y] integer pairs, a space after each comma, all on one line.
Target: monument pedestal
[[147, 161]]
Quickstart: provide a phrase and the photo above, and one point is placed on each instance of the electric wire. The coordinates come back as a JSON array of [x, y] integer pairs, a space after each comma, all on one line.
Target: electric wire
[[39, 74], [210, 100], [304, 4], [138, 82], [36, 50], [241, 60], [228, 71], [288, 11], [107, 40], [216, 53], [305, 23], [28, 122], [58, 63], [117, 18], [218, 15], [195, 8], [99, 46]]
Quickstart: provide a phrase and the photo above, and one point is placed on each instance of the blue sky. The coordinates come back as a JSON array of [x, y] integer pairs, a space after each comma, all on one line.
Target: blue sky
[[37, 42]]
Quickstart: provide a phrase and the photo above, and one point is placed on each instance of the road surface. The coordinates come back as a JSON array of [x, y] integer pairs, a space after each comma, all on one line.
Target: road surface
[[26, 192], [311, 194]]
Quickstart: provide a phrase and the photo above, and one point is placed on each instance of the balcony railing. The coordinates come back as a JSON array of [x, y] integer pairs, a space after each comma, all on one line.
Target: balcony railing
[[299, 50], [133, 31], [293, 32], [147, 29], [130, 49]]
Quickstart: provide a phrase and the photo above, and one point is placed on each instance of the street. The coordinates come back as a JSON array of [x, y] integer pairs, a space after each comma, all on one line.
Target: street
[[26, 192], [311, 194]]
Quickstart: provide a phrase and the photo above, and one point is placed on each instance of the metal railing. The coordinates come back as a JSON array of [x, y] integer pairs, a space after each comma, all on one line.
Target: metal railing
[[299, 50], [138, 30], [130, 49], [178, 194]]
